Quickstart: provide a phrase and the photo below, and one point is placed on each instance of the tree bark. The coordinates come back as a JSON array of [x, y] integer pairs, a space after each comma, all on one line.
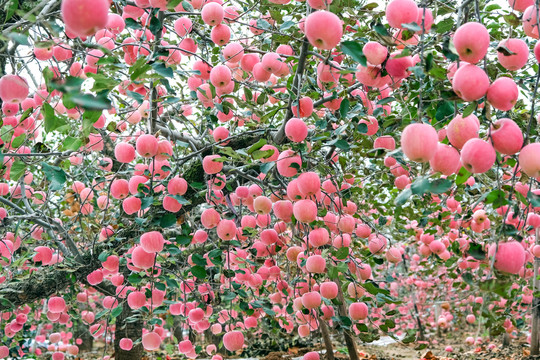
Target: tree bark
[[326, 339], [87, 339], [131, 329], [535, 343], [349, 339]]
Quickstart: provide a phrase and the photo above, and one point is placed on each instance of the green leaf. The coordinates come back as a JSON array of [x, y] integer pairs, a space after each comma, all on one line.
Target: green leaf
[[71, 143], [18, 141], [10, 8], [199, 272], [450, 55], [155, 25], [116, 311], [103, 256], [381, 29], [439, 186], [265, 168], [286, 25], [469, 109], [163, 70], [198, 259], [167, 220], [341, 144], [342, 253], [445, 25], [182, 200], [89, 119], [171, 4], [354, 50], [534, 199], [259, 144], [52, 122], [17, 170], [102, 82], [19, 38], [496, 197], [386, 100], [414, 27], [262, 99], [462, 176], [187, 6], [55, 175], [362, 128], [262, 154], [476, 251], [403, 197], [263, 24], [420, 186], [444, 109], [132, 24], [91, 102], [344, 108], [228, 296], [135, 95]]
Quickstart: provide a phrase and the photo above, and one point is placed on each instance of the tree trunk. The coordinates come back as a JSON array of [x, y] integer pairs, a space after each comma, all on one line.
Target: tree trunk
[[128, 329], [535, 343], [326, 338], [83, 333], [349, 339], [506, 340]]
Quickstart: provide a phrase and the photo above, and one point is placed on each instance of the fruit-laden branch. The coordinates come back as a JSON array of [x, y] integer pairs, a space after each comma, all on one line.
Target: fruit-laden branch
[[48, 280], [279, 137], [54, 227], [45, 282], [332, 97]]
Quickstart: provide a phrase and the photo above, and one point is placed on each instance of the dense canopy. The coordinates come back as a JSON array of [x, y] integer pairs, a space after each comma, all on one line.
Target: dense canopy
[[198, 177]]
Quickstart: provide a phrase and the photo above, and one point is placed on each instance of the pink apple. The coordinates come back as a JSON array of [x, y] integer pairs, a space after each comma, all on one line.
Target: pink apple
[[477, 156], [513, 61], [461, 129], [471, 41], [503, 94], [85, 17], [399, 12], [419, 142], [506, 136], [323, 29], [529, 160], [470, 82]]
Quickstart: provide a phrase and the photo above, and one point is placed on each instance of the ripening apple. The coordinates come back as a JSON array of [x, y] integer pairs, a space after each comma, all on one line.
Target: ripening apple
[[530, 22], [419, 142], [477, 156], [374, 52], [503, 93], [13, 89], [470, 82], [399, 12], [513, 61], [509, 256], [296, 130], [446, 160], [461, 129], [471, 41], [323, 29], [520, 5], [506, 136], [212, 13], [220, 34], [529, 160], [85, 17]]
